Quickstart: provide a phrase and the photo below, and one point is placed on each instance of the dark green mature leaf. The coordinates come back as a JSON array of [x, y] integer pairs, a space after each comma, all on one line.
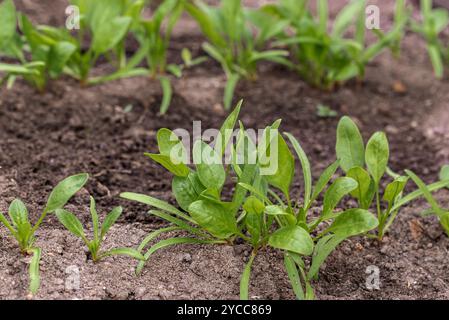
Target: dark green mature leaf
[[187, 189], [209, 166], [365, 189], [35, 279], [215, 218], [109, 221], [377, 155], [180, 169], [71, 222], [292, 238], [244, 281], [64, 191], [8, 22], [284, 161], [353, 222], [341, 187], [350, 148]]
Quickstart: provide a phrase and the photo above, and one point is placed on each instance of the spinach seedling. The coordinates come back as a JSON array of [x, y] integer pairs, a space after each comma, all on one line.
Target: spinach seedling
[[72, 223], [24, 232], [296, 232], [229, 29], [444, 173], [202, 213], [327, 58], [434, 21], [442, 214], [48, 56], [368, 166]]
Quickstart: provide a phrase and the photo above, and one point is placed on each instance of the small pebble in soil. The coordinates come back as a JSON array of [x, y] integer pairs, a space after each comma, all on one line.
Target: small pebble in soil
[[187, 258]]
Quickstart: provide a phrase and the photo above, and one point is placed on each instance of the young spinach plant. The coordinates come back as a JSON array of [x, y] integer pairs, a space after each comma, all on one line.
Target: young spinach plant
[[24, 232], [297, 233], [73, 224], [327, 58], [368, 167], [203, 213], [229, 29], [434, 21]]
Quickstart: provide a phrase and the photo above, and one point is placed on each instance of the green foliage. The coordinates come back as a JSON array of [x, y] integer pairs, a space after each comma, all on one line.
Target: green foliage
[[72, 223], [326, 55], [231, 39], [442, 214], [434, 21], [23, 231], [368, 166]]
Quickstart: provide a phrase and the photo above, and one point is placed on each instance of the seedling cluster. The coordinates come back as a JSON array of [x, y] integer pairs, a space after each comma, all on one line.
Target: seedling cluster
[[287, 33]]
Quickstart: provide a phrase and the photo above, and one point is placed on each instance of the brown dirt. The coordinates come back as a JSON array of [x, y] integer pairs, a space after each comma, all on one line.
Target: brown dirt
[[45, 137]]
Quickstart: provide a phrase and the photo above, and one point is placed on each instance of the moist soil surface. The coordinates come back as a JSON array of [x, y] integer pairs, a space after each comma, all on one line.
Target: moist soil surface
[[105, 130]]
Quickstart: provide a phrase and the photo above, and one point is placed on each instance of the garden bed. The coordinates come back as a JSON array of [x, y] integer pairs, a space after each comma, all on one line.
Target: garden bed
[[105, 130]]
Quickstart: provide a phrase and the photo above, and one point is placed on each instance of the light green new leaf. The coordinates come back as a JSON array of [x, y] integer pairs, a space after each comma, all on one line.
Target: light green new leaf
[[209, 166], [123, 252], [294, 277], [167, 93], [394, 189], [170, 145], [95, 222], [341, 187], [8, 22], [108, 34], [71, 222], [323, 180], [350, 148], [109, 221], [292, 238], [365, 190], [444, 173], [227, 129], [18, 214], [64, 191], [180, 169], [377, 155], [284, 162]]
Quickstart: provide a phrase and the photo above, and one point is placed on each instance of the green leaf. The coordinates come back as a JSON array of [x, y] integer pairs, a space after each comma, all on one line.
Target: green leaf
[[231, 84], [178, 222], [394, 189], [107, 34], [284, 162], [444, 173], [215, 218], [377, 155], [170, 145], [437, 60], [109, 221], [9, 23], [305, 164], [346, 17], [95, 223], [227, 129], [65, 190], [35, 279], [18, 214], [353, 222], [124, 252], [244, 281], [275, 211], [179, 169], [324, 179], [71, 222], [293, 275], [292, 238], [167, 93], [323, 249], [341, 187], [162, 205], [418, 193], [350, 148], [58, 57], [209, 166], [166, 243], [365, 189], [187, 189]]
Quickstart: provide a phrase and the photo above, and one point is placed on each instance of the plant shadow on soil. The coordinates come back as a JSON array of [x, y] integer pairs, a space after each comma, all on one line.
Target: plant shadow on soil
[[105, 130]]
